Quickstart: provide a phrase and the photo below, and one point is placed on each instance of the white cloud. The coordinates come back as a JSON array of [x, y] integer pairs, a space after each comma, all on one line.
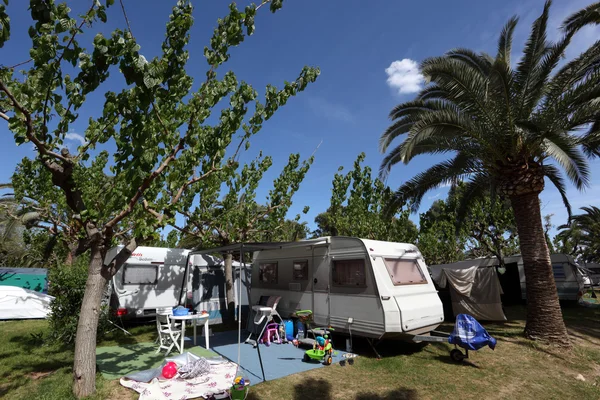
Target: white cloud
[[404, 75], [434, 197], [75, 137], [328, 109]]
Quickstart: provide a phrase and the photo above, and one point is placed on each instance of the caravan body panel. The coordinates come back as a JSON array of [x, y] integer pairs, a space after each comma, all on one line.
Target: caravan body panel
[[151, 278], [346, 283]]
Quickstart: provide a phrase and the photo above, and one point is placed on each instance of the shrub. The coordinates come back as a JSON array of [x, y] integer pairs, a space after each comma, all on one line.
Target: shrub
[[67, 285]]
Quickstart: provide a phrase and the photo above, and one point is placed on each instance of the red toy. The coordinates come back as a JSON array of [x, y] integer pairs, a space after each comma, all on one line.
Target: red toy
[[169, 370]]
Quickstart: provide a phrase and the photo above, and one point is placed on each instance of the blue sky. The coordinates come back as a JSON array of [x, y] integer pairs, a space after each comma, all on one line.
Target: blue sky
[[366, 51]]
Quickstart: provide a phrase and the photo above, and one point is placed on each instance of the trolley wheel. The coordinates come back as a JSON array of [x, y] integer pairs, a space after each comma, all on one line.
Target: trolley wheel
[[328, 360], [306, 358], [456, 355]]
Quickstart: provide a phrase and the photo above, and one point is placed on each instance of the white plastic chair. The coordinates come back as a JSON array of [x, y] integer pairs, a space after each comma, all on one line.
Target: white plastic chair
[[168, 332]]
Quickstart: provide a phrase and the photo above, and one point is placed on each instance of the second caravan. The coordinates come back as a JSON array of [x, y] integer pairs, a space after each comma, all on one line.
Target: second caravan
[[156, 277]]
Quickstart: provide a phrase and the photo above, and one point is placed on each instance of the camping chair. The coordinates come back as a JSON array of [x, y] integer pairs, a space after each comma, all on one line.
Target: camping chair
[[168, 332], [266, 308]]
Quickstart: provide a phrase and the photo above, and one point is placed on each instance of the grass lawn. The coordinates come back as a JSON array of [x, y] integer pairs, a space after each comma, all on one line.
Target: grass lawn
[[516, 369]]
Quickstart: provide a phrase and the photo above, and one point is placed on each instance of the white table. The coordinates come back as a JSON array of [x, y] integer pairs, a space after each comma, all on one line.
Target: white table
[[194, 318]]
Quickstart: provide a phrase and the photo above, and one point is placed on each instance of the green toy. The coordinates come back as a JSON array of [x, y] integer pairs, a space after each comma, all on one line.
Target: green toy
[[322, 350]]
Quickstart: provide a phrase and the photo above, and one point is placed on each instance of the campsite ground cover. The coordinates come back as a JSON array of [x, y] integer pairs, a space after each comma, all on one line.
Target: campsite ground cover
[[517, 368]]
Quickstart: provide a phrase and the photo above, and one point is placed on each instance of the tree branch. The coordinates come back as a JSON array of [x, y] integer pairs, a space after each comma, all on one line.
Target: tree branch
[[60, 58], [29, 125]]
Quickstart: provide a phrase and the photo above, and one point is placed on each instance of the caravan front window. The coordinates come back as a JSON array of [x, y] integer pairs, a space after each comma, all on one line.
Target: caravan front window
[[404, 272], [140, 274], [268, 272], [349, 273]]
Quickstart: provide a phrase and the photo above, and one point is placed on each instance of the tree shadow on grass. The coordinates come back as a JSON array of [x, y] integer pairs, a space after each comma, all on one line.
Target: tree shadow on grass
[[400, 393]]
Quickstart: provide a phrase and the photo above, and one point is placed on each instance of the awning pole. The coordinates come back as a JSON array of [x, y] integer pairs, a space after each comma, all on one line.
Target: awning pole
[[240, 303]]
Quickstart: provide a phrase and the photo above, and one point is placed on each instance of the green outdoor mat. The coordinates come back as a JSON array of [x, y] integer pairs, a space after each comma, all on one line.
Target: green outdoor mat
[[115, 362]]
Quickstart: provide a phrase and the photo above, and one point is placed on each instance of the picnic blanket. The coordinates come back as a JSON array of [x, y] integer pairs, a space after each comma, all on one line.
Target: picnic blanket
[[150, 384]]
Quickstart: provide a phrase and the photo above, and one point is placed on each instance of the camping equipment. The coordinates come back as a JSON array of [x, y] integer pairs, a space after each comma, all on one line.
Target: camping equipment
[[180, 311], [289, 329], [467, 333], [19, 303]]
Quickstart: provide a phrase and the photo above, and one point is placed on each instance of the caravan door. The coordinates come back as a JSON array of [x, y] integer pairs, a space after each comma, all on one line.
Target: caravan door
[[320, 285]]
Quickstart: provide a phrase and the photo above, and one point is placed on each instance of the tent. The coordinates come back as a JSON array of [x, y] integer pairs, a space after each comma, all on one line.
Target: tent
[[474, 288], [20, 303]]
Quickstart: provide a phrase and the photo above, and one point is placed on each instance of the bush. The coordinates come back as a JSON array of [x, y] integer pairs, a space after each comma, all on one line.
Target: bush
[[67, 285]]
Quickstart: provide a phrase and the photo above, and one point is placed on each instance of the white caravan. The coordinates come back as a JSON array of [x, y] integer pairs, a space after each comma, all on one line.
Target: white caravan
[[155, 277], [364, 287], [151, 278]]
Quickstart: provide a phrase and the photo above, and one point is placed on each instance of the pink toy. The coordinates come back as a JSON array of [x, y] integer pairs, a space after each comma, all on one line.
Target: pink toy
[[271, 332], [169, 370]]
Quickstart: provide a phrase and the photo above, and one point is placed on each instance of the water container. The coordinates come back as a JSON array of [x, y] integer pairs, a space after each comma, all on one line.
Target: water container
[[289, 329], [300, 329]]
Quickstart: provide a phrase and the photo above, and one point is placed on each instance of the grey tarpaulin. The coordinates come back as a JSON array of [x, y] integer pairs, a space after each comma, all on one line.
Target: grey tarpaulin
[[475, 291]]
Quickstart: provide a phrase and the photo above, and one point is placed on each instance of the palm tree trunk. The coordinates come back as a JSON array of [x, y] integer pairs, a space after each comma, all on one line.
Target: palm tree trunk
[[544, 315]]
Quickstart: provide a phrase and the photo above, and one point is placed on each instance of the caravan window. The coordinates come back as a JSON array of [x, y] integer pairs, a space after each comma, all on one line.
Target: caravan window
[[559, 271], [349, 273], [300, 270], [404, 272], [140, 274], [268, 272]]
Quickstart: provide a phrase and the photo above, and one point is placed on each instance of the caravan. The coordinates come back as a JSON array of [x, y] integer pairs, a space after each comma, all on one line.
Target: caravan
[[364, 287], [156, 277], [151, 278]]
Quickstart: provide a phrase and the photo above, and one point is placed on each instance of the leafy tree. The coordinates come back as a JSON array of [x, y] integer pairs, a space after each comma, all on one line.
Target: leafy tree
[[506, 130], [236, 216], [150, 145], [581, 238], [356, 209], [488, 230], [439, 241]]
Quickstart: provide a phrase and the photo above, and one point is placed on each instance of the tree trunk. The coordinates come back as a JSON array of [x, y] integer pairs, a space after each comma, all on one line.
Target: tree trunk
[[544, 315], [84, 367], [229, 286]]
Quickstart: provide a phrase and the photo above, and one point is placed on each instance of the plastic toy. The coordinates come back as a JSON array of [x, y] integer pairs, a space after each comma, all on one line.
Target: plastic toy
[[169, 370], [322, 350], [271, 333], [239, 390]]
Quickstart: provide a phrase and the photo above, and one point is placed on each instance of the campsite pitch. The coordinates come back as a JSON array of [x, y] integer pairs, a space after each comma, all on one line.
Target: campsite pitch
[[516, 369]]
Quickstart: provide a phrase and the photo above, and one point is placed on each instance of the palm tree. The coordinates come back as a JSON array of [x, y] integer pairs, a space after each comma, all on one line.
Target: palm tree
[[583, 233], [505, 130]]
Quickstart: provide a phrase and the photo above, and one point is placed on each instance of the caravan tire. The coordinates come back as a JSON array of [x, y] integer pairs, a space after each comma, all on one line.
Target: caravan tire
[[457, 355]]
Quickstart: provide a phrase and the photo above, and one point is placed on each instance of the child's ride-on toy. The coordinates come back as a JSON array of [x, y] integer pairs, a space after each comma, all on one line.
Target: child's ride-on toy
[[322, 350]]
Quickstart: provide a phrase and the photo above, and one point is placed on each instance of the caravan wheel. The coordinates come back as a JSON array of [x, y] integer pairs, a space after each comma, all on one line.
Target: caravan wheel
[[457, 355]]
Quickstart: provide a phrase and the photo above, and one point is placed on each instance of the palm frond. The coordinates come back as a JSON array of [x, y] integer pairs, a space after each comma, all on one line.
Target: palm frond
[[565, 151], [464, 85], [587, 16], [445, 172], [554, 175], [535, 49], [481, 62], [590, 142], [505, 41]]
